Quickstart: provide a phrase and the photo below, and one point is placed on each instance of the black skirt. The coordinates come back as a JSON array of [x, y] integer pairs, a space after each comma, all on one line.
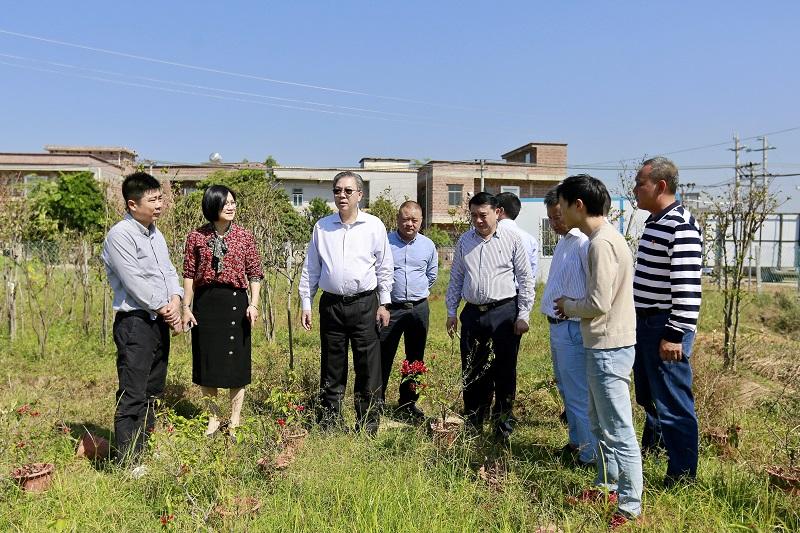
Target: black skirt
[[221, 338]]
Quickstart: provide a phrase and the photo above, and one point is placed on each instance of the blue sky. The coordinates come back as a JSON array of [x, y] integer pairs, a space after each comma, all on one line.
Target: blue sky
[[441, 80]]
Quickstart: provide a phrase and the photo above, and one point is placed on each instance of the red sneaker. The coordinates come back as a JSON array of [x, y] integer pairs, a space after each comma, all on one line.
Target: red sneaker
[[618, 520]]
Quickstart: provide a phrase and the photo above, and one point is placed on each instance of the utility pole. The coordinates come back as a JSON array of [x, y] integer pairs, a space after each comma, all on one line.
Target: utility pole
[[765, 191], [483, 187]]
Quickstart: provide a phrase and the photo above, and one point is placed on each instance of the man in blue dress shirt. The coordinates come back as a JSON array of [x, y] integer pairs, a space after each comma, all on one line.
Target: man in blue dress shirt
[[416, 265], [147, 301]]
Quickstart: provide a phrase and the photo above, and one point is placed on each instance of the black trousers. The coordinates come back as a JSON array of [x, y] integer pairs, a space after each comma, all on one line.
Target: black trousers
[[412, 325], [346, 322], [142, 357], [489, 351]]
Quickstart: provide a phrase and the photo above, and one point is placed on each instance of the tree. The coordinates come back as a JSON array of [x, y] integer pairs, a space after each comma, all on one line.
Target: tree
[[737, 215], [439, 236], [73, 203], [317, 208], [385, 208]]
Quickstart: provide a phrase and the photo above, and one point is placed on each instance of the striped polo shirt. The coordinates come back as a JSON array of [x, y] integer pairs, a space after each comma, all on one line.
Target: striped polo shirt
[[668, 269]]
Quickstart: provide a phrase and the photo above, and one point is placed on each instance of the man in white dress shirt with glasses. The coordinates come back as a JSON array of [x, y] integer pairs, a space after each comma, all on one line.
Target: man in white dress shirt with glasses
[[349, 258]]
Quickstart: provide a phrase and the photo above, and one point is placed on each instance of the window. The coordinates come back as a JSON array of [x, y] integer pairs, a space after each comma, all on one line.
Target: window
[[31, 180], [510, 188], [549, 239], [297, 197], [455, 195], [527, 157]]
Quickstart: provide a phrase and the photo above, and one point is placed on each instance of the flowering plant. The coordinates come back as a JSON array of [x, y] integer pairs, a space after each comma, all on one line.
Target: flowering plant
[[413, 373], [286, 409]]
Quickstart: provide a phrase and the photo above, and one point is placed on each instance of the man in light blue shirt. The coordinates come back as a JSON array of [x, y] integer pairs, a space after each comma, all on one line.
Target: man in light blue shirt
[[567, 277], [416, 266], [147, 296]]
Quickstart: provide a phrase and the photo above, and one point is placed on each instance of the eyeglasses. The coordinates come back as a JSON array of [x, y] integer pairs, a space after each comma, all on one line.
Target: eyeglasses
[[231, 204], [348, 191]]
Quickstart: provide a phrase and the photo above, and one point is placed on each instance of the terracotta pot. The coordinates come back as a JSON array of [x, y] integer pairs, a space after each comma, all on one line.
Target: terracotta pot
[[785, 478], [444, 434], [34, 477], [293, 438], [92, 447]]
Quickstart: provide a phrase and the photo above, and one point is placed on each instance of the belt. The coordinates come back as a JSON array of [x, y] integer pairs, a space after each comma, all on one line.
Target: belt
[[141, 313], [556, 320], [348, 299], [650, 311], [491, 305], [405, 305]]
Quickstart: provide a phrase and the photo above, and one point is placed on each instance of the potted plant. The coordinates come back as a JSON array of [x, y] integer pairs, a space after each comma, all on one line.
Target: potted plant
[[92, 447], [434, 386], [34, 477]]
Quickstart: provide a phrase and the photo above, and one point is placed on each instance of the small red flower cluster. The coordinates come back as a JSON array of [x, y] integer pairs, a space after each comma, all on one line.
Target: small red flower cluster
[[170, 428], [26, 410], [297, 407], [166, 519], [281, 422], [413, 369]]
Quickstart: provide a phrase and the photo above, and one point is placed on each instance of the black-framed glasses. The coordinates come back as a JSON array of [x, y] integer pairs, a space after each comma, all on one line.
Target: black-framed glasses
[[347, 191]]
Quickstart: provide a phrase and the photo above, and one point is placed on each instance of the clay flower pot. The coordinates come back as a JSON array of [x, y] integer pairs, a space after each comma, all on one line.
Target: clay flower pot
[[293, 438], [785, 478], [444, 433], [34, 477], [92, 447]]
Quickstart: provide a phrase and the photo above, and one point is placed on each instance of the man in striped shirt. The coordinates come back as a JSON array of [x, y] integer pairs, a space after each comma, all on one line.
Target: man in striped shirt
[[492, 273], [666, 289]]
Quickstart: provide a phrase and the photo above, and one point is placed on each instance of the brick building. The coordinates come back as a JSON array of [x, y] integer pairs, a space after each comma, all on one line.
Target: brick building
[[444, 187]]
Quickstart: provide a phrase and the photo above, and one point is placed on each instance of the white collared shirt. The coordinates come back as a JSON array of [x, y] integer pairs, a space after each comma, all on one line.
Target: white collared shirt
[[568, 270], [347, 259]]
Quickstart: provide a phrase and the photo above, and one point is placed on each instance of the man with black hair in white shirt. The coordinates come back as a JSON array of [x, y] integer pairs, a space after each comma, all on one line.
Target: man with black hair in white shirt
[[492, 273], [667, 293], [349, 258]]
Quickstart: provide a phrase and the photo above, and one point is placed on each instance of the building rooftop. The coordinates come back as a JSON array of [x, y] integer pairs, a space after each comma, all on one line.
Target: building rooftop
[[60, 148], [528, 147]]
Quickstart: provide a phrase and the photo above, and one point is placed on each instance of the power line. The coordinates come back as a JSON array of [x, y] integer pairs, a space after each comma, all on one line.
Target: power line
[[215, 96], [212, 70], [203, 87]]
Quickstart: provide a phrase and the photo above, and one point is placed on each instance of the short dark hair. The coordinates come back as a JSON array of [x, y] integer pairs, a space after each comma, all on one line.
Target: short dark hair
[[591, 192], [135, 185], [551, 198], [349, 174], [662, 168], [510, 204], [214, 200], [410, 204], [483, 198]]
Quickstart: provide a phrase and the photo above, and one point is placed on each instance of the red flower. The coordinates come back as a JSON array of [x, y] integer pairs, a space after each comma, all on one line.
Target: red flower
[[300, 407], [21, 444], [34, 413], [166, 519], [23, 409], [170, 428], [281, 422]]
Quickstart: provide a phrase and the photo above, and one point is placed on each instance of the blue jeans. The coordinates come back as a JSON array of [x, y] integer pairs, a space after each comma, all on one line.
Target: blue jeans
[[664, 390], [619, 460], [569, 365]]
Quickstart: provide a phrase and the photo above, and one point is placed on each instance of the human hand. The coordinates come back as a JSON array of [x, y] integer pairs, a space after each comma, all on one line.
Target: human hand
[[452, 324], [559, 308], [670, 351], [171, 312], [252, 314], [188, 319], [305, 320], [521, 327], [382, 316]]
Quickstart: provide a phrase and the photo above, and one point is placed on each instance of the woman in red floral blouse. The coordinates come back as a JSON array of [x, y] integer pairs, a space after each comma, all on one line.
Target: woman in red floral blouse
[[220, 264]]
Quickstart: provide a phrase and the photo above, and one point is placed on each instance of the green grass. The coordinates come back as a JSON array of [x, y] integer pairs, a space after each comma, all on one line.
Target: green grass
[[398, 481]]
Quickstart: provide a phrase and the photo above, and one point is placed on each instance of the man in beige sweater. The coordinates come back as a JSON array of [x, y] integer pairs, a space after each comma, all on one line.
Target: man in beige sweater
[[608, 327]]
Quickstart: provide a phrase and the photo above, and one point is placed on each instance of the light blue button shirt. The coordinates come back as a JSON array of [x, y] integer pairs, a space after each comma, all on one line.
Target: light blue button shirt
[[138, 267], [416, 266]]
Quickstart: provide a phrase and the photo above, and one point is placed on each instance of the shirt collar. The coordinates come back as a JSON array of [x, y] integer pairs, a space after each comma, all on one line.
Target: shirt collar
[[574, 232], [495, 235], [360, 217], [663, 212], [397, 236], [139, 227]]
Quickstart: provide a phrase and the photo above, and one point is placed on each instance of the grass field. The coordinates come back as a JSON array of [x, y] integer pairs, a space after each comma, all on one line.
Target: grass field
[[398, 481]]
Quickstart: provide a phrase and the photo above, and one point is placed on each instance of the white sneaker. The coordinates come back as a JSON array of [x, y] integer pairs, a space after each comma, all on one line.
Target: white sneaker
[[138, 472]]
